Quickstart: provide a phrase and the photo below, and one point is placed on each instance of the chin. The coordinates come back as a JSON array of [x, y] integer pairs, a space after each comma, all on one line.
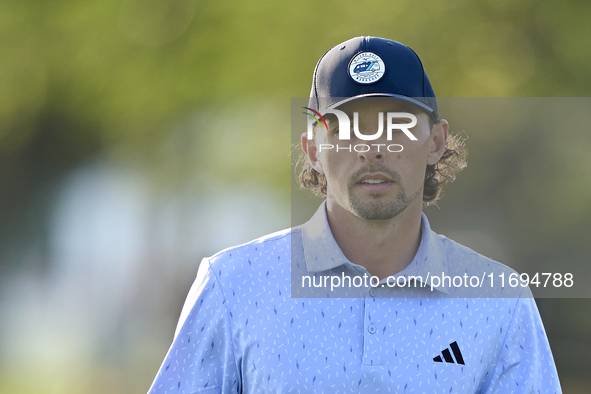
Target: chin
[[378, 210]]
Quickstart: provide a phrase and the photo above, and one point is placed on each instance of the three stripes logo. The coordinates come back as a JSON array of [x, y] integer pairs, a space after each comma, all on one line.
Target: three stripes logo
[[447, 355]]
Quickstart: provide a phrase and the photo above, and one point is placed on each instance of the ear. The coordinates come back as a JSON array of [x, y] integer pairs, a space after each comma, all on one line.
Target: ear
[[437, 142], [310, 149]]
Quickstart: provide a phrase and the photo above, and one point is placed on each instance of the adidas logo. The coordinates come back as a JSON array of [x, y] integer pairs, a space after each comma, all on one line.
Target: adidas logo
[[447, 355]]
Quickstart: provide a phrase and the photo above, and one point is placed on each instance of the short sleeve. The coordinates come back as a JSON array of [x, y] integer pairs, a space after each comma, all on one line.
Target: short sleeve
[[525, 363], [201, 357]]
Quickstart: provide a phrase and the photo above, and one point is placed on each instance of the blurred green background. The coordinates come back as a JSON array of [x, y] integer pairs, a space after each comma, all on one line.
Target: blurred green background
[[137, 137]]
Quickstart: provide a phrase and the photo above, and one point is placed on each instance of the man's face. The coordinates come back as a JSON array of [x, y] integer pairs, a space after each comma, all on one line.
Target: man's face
[[377, 184]]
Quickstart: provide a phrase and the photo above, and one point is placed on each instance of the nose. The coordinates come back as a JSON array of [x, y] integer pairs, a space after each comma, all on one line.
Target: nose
[[374, 153]]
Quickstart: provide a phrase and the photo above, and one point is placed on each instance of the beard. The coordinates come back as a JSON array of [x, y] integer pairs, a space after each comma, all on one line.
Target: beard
[[379, 208]]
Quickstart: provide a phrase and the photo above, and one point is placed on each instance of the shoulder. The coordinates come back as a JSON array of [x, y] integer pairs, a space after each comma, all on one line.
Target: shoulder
[[277, 242], [262, 256], [482, 276], [462, 258]]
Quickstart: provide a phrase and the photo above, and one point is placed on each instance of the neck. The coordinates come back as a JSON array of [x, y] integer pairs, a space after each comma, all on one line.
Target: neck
[[383, 247]]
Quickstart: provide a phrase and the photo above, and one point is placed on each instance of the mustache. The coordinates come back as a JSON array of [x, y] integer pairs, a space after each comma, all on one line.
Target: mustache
[[373, 169]]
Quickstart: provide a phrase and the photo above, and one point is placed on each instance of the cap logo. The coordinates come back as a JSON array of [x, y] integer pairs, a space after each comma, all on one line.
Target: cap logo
[[366, 68]]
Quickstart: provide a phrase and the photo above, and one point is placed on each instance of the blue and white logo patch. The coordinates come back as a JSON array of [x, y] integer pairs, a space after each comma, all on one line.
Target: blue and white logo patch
[[366, 68]]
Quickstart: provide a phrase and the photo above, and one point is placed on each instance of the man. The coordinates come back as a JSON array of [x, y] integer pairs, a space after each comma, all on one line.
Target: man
[[294, 312]]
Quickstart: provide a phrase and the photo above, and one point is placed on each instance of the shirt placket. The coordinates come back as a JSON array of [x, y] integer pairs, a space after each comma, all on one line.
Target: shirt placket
[[371, 328]]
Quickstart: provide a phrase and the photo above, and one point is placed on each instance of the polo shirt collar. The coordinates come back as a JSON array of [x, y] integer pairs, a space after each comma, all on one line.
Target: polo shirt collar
[[322, 252]]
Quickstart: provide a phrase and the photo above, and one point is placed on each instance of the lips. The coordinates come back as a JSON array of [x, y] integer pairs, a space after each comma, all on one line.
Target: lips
[[375, 178], [375, 183]]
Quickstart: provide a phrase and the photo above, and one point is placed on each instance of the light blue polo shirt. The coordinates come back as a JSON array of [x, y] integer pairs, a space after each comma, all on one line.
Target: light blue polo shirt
[[249, 324]]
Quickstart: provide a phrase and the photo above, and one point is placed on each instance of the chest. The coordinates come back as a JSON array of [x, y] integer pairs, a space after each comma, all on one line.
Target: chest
[[370, 343]]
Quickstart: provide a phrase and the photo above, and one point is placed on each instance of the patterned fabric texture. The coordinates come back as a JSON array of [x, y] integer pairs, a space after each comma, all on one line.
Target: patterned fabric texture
[[248, 326]]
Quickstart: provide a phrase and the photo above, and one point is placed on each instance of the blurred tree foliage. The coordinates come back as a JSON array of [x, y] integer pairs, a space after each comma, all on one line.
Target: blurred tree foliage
[[78, 78], [120, 70]]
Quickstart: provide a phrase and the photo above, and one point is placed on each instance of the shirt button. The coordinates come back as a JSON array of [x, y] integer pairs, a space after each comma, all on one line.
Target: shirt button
[[371, 328], [372, 292]]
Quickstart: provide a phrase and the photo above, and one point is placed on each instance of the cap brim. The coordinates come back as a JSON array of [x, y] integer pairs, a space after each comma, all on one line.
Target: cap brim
[[411, 100]]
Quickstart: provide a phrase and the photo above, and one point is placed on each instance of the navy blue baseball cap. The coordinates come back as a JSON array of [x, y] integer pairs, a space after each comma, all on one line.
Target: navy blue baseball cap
[[369, 67]]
